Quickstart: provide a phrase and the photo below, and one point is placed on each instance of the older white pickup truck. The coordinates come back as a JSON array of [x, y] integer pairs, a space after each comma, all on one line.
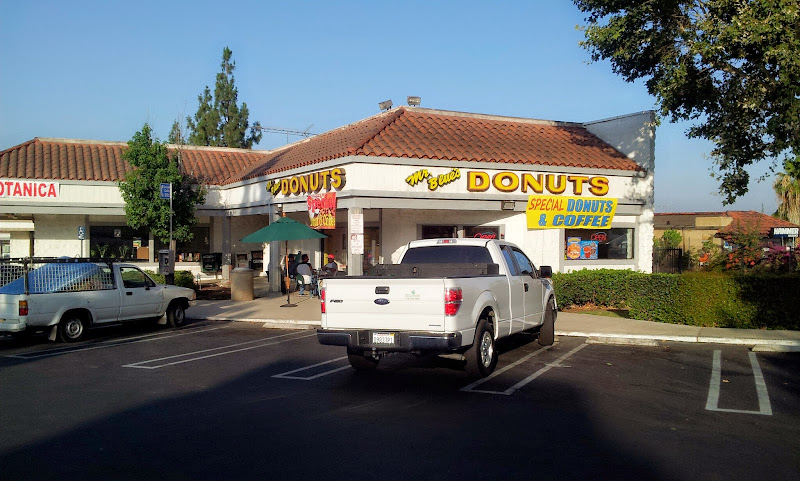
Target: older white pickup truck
[[445, 296], [71, 295]]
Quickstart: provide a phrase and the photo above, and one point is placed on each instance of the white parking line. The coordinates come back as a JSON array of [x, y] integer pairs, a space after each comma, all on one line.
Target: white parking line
[[140, 365], [287, 375], [515, 387], [119, 342], [712, 403]]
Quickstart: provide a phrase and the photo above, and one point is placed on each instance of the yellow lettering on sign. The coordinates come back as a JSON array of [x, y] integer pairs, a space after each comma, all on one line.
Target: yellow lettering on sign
[[507, 182], [477, 181], [308, 183]]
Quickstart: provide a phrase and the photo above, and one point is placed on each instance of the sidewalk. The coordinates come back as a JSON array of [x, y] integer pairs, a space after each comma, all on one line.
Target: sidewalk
[[268, 309]]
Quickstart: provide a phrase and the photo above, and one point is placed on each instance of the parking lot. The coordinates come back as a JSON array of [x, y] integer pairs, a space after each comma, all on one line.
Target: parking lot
[[232, 400]]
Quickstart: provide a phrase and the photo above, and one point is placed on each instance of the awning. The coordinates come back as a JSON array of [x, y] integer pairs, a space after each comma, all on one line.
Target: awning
[[16, 225]]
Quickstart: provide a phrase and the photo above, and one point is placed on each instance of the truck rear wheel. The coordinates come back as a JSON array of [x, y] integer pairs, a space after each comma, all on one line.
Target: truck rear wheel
[[72, 328], [547, 333], [482, 356], [360, 362]]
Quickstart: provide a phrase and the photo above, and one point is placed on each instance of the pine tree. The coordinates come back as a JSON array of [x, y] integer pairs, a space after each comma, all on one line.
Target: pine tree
[[219, 121]]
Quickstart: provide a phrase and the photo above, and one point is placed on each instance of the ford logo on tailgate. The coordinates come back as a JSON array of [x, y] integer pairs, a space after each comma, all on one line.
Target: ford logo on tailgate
[[381, 301]]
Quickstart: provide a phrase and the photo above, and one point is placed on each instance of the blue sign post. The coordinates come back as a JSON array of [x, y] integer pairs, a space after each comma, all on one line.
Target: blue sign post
[[165, 190]]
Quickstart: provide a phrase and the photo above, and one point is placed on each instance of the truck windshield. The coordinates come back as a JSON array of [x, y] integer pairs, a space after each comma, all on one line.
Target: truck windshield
[[447, 254]]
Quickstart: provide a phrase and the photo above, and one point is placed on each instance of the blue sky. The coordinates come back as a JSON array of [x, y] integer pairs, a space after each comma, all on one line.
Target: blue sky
[[100, 70]]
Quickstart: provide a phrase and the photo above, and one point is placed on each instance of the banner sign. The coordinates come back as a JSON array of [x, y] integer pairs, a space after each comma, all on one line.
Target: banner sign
[[785, 231], [28, 189], [554, 212], [322, 210]]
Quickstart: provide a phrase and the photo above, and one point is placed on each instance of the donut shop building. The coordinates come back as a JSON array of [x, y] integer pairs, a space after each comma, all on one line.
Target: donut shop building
[[571, 195]]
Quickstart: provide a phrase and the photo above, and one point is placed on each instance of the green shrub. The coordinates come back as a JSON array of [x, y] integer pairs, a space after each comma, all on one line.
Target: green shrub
[[602, 287], [708, 299], [182, 279]]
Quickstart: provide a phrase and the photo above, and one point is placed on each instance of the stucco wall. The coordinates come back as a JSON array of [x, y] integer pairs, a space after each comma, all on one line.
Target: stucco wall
[[20, 244], [57, 235]]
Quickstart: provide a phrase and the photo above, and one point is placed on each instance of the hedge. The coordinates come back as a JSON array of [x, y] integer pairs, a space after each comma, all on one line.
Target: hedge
[[754, 301], [182, 278]]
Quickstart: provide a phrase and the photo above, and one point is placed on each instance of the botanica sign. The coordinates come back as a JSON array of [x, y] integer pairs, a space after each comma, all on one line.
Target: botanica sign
[[27, 189]]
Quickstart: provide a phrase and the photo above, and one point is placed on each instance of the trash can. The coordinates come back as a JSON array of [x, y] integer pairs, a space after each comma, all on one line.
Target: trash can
[[242, 284]]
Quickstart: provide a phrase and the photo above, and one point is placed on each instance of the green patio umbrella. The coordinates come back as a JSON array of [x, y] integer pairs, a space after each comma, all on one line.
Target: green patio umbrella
[[284, 229]]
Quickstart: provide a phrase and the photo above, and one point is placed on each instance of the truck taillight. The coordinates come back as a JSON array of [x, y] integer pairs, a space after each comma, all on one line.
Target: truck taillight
[[452, 301], [23, 308], [322, 300]]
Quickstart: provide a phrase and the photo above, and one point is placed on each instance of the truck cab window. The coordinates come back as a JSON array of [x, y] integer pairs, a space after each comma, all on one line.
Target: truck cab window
[[525, 265], [132, 277]]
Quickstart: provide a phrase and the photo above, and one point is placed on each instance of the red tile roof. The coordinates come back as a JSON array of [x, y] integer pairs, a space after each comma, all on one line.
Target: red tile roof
[[398, 133], [438, 135], [69, 159], [751, 221]]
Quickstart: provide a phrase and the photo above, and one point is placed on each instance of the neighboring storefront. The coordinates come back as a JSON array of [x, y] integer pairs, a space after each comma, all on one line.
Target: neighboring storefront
[[718, 228], [572, 195]]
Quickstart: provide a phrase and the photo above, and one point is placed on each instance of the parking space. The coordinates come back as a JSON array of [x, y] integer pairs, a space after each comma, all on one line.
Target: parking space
[[221, 381]]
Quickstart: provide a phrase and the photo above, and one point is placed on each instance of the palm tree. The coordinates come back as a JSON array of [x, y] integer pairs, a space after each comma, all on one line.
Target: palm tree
[[787, 188]]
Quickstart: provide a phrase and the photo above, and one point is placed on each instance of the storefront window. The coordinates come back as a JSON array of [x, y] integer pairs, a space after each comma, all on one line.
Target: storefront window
[[192, 250], [580, 244], [117, 241], [481, 232], [438, 231]]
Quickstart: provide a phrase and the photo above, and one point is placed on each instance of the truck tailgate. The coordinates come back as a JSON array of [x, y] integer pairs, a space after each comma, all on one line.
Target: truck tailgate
[[391, 304]]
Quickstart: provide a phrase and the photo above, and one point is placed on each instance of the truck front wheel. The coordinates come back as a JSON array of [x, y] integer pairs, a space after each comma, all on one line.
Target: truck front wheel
[[482, 356], [548, 329], [176, 314], [360, 362]]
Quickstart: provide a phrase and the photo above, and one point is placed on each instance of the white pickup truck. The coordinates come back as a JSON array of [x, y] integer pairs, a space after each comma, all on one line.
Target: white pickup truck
[[71, 295], [445, 296]]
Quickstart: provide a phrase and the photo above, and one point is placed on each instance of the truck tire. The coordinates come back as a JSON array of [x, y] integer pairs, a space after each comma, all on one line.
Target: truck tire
[[72, 327], [360, 362], [547, 333], [482, 356], [176, 314]]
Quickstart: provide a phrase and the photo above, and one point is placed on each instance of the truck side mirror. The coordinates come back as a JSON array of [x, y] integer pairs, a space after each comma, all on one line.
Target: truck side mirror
[[546, 272]]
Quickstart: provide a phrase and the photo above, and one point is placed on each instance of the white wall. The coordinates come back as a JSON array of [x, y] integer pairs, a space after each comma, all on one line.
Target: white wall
[[57, 235], [20, 244]]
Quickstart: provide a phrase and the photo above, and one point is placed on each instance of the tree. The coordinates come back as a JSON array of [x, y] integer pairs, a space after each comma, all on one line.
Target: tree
[[670, 239], [152, 165], [787, 187], [176, 134], [219, 121], [730, 66]]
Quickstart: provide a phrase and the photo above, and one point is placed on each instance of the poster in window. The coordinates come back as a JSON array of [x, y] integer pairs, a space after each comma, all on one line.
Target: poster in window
[[589, 249], [573, 248]]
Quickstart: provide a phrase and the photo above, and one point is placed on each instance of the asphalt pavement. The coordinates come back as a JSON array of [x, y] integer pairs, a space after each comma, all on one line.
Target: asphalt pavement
[[293, 311]]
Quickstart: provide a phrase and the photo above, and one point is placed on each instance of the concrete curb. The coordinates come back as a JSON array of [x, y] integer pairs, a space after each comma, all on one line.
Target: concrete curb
[[593, 337]]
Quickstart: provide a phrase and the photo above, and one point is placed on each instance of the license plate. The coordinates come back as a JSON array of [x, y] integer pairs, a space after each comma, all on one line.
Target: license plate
[[383, 338]]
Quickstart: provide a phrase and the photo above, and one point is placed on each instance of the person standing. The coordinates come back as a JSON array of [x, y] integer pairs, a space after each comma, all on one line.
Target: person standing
[[304, 273]]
